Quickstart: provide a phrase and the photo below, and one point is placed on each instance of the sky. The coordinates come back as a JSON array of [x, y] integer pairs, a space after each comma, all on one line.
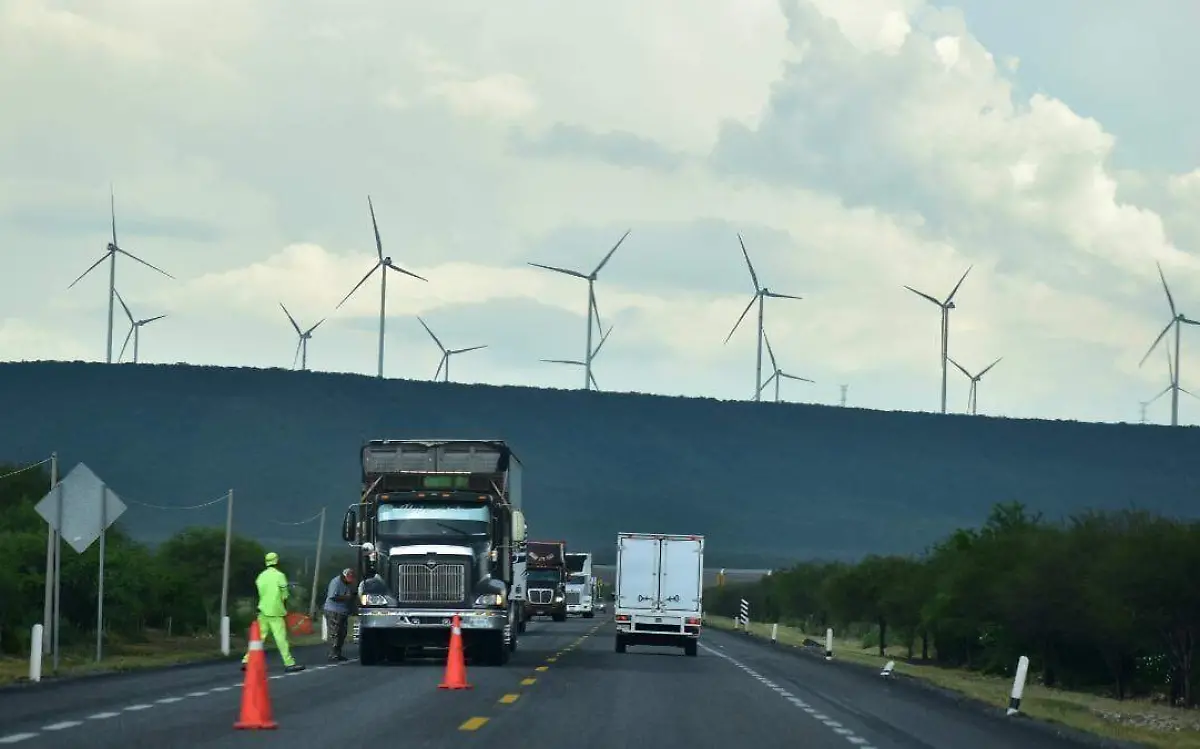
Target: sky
[[857, 146]]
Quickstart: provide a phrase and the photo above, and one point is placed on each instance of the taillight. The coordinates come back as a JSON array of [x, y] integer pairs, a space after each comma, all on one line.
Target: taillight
[[693, 620], [622, 617]]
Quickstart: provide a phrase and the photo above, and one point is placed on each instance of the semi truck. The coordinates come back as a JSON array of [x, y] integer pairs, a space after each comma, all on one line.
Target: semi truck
[[659, 590], [437, 529], [546, 580], [580, 585]]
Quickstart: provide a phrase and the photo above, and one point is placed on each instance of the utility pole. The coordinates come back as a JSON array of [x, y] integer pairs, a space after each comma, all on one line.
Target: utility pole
[[49, 622], [1144, 404], [844, 389], [225, 575], [312, 602]]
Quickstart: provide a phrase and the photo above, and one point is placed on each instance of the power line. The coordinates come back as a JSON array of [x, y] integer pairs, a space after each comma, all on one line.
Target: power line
[[29, 467], [221, 498], [300, 522]]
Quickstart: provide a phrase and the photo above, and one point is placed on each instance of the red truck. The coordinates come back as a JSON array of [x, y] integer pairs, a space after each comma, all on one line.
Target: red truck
[[546, 579]]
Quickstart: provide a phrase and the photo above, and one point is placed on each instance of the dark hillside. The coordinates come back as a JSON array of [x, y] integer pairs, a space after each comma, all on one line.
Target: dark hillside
[[765, 482]]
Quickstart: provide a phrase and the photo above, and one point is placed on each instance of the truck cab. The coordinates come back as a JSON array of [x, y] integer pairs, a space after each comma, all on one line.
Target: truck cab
[[546, 580], [436, 528], [580, 585]]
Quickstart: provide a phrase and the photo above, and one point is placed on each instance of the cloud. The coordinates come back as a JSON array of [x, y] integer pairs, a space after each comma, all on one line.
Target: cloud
[[857, 147]]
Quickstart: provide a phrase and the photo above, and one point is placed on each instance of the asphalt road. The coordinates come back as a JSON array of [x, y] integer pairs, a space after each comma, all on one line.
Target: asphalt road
[[565, 687]]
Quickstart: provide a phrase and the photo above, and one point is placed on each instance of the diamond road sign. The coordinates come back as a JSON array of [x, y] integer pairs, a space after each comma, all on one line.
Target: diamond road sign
[[83, 496]]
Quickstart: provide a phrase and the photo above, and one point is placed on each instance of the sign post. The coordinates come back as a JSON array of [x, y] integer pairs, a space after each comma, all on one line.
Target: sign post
[[80, 509]]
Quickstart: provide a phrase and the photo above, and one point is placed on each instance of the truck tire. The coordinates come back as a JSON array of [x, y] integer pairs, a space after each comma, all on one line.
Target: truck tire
[[620, 644], [560, 616], [589, 615], [370, 648], [690, 648], [491, 650]]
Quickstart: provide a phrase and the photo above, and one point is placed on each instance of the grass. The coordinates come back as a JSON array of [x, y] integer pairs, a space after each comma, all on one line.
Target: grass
[[155, 650], [1140, 721]]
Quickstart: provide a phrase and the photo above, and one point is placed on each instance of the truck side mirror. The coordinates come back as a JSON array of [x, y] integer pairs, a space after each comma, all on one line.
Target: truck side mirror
[[350, 526], [518, 527]]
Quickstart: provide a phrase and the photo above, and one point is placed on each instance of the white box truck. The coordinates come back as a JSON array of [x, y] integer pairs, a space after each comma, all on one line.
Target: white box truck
[[659, 590], [580, 585]]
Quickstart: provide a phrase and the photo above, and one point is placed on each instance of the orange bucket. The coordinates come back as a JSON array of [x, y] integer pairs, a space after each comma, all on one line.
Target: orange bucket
[[299, 624]]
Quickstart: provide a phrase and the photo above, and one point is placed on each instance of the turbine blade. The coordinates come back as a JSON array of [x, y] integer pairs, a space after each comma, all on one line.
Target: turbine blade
[[296, 356], [780, 296], [309, 332], [398, 269], [360, 283], [1161, 393], [1156, 340], [743, 317], [985, 371], [592, 377], [768, 381], [375, 226], [923, 295], [1189, 392], [596, 313], [441, 362], [1189, 321], [292, 319], [1170, 364], [794, 377], [128, 335], [1170, 299], [143, 262], [465, 350], [600, 345], [431, 335], [577, 274], [564, 361], [610, 253], [149, 320], [124, 307], [960, 368], [750, 265], [92, 267], [112, 211], [770, 352], [957, 285]]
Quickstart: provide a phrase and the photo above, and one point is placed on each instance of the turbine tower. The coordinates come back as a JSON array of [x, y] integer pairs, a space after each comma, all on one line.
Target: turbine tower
[[577, 363], [760, 293], [446, 353], [135, 328], [945, 306], [974, 381], [110, 254], [1177, 318], [302, 344], [384, 263], [593, 317], [777, 374]]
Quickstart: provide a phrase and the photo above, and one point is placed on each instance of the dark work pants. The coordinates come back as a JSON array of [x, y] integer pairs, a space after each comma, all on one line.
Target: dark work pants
[[338, 624]]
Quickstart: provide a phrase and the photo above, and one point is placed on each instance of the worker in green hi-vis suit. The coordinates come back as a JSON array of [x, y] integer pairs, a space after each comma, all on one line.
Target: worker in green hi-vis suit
[[272, 587]]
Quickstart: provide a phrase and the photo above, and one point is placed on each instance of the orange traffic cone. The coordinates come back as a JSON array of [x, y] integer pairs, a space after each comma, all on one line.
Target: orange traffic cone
[[456, 665], [256, 702]]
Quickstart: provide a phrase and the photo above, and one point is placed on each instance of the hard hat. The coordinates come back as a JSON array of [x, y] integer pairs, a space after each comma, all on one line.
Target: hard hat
[[272, 559], [348, 573]]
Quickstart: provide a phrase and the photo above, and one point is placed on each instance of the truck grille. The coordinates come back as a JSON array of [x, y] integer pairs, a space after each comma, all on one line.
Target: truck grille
[[540, 595], [420, 583], [574, 597]]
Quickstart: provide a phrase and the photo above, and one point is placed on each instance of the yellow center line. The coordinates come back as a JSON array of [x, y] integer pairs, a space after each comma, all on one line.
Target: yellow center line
[[551, 660], [527, 682], [473, 724], [508, 699], [541, 668]]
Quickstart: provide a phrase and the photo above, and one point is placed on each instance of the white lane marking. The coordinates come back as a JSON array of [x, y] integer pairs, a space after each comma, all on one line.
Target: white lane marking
[[832, 724], [14, 738]]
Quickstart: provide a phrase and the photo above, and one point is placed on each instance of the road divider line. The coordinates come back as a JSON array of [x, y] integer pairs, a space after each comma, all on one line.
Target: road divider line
[[541, 668], [102, 716], [508, 699], [473, 724], [830, 723], [13, 738], [528, 682], [62, 725]]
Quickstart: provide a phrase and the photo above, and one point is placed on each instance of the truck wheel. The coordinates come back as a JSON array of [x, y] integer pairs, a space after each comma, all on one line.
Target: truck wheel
[[560, 617], [492, 650], [620, 644], [370, 651], [690, 648], [589, 615]]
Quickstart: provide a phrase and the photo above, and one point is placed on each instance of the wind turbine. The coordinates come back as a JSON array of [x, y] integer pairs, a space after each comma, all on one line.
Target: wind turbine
[[386, 264], [593, 317], [1172, 384], [446, 353], [1176, 318], [974, 381], [777, 374], [110, 254], [135, 328], [302, 344], [760, 293], [945, 306], [577, 363]]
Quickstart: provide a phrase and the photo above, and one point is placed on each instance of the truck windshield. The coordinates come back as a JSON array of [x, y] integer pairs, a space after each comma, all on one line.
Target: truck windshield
[[542, 576], [577, 580], [432, 520]]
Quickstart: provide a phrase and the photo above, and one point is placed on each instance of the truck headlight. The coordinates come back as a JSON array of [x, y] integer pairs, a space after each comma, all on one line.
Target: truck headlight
[[490, 599], [372, 599], [558, 598]]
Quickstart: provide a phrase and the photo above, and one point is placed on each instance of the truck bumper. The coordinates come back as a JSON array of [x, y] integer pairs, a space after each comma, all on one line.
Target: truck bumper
[[542, 609], [430, 619], [579, 608], [656, 629]]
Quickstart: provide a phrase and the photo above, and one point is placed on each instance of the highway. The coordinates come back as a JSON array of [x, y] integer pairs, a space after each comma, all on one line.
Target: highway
[[564, 687]]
